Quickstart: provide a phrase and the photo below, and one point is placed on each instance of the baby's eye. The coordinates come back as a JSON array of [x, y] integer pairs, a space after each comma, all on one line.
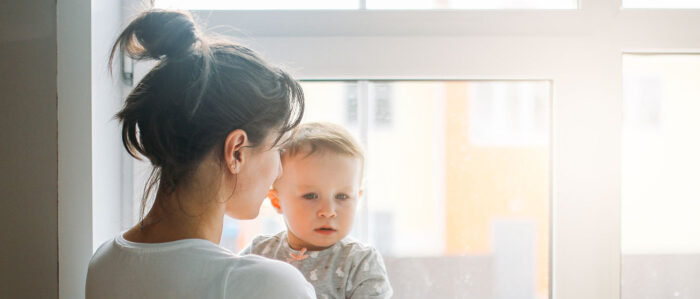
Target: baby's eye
[[282, 150], [310, 196], [341, 196]]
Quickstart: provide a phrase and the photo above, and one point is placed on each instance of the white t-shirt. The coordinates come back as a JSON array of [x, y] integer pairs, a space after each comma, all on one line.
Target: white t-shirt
[[190, 268]]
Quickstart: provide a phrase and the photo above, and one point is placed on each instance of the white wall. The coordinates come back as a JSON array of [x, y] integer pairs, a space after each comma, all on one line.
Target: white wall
[[89, 170], [107, 147], [52, 68], [74, 145], [28, 150]]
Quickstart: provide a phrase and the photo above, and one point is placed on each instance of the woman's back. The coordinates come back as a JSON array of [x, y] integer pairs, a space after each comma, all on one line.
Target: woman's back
[[189, 268], [210, 118]]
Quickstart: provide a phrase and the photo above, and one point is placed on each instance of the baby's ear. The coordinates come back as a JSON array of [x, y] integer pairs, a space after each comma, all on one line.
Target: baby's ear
[[274, 200]]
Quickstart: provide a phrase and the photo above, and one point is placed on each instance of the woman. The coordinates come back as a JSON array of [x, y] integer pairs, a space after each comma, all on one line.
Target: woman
[[210, 117]]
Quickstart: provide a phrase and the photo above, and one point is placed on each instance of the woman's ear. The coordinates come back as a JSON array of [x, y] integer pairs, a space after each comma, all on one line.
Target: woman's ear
[[274, 200], [233, 154]]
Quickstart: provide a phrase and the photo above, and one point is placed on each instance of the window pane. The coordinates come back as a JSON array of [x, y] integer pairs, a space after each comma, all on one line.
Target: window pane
[[661, 3], [471, 4], [258, 4], [457, 187], [660, 163]]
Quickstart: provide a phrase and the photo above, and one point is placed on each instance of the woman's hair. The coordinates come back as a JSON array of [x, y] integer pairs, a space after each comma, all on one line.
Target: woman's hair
[[201, 89], [321, 137]]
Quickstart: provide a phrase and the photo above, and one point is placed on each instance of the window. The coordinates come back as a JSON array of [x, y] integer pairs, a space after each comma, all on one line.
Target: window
[[471, 4], [578, 114], [661, 4], [365, 4], [509, 113], [660, 207], [257, 5]]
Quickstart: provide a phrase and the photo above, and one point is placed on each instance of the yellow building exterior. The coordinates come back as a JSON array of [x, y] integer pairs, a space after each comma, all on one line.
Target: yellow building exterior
[[483, 183]]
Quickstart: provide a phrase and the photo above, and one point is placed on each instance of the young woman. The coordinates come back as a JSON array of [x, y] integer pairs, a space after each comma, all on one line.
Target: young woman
[[210, 117]]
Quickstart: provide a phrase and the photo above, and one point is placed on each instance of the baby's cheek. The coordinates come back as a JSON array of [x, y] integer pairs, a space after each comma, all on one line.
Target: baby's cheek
[[301, 218], [349, 219]]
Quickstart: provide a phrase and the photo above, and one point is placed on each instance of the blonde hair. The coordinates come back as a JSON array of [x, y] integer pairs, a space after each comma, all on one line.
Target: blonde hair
[[313, 137]]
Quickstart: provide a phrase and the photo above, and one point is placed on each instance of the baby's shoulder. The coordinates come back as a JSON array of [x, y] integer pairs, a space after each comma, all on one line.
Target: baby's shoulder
[[264, 244], [362, 262], [263, 240], [356, 250]]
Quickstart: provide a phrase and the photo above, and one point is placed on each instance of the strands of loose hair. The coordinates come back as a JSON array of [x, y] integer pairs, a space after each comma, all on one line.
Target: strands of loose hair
[[201, 89]]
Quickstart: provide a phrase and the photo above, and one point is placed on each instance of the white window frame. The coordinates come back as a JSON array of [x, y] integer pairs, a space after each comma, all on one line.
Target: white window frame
[[579, 51]]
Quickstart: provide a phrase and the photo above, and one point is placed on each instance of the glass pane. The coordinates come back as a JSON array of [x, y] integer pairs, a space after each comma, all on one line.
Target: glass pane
[[661, 3], [660, 163], [472, 4], [458, 187], [256, 5]]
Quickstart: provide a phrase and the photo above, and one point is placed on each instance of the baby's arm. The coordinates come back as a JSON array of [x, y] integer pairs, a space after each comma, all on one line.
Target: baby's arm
[[370, 278]]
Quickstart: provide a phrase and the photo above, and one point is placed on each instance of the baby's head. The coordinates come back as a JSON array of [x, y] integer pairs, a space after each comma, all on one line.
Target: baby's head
[[320, 185]]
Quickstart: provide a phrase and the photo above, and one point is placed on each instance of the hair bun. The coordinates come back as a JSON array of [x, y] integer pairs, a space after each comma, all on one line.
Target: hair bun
[[164, 32], [157, 33]]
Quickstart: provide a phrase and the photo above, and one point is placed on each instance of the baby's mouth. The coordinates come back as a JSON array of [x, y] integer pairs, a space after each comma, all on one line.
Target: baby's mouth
[[326, 230]]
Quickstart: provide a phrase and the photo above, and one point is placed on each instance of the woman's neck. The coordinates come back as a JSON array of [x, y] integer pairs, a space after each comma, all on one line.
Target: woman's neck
[[176, 217]]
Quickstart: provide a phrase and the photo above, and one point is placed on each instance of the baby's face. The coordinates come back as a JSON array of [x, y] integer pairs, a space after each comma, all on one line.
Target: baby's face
[[318, 196]]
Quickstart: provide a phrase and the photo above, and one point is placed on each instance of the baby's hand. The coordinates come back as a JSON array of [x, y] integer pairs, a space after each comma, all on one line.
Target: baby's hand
[[298, 257]]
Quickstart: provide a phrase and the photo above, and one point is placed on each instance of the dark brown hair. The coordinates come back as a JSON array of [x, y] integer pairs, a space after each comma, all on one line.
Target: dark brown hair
[[201, 89]]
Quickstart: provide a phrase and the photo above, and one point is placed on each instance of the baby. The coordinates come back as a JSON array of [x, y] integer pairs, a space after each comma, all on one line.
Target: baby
[[317, 195]]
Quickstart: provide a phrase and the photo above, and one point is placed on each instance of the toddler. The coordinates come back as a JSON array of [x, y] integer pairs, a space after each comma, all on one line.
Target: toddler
[[317, 195]]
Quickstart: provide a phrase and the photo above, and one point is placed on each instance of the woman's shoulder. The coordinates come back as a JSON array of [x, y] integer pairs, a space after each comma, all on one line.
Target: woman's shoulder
[[237, 276], [259, 277], [122, 253]]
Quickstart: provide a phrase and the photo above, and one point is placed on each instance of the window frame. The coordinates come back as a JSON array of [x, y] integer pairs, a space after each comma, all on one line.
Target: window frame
[[579, 51]]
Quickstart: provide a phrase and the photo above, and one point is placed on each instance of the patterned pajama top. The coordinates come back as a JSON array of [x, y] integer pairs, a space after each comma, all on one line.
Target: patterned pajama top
[[348, 269]]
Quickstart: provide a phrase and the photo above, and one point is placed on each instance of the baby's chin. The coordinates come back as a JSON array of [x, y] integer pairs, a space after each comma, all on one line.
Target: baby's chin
[[325, 244], [318, 245], [316, 241]]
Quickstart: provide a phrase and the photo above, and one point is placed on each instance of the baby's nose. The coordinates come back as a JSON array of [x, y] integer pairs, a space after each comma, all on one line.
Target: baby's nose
[[327, 211]]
